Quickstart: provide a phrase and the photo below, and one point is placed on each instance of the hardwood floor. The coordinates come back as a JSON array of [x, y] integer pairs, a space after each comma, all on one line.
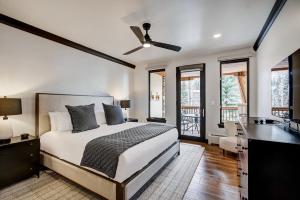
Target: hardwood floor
[[216, 176]]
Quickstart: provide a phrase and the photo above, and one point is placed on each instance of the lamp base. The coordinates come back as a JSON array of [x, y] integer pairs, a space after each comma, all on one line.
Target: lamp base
[[5, 141]]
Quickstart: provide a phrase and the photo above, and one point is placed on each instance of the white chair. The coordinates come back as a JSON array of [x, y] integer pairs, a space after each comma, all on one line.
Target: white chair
[[229, 143]]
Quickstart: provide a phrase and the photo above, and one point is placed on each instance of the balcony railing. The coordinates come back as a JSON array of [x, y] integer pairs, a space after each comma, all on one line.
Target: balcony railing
[[230, 113], [190, 109], [282, 112]]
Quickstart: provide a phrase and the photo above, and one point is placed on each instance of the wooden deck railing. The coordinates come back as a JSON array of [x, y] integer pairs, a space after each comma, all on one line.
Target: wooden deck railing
[[282, 112], [190, 109], [230, 113]]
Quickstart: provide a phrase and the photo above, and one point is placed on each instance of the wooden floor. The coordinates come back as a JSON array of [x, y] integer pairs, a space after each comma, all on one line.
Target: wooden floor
[[216, 176]]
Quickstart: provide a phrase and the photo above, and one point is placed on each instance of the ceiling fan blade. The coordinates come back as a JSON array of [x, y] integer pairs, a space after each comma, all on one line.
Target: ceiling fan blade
[[133, 50], [138, 33], [166, 46]]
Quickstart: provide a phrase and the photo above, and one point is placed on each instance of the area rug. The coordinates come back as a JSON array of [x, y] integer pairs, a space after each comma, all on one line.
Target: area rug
[[171, 184]]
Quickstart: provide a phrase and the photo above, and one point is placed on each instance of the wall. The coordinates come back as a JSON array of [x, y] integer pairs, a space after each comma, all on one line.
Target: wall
[[281, 41], [30, 64], [212, 88]]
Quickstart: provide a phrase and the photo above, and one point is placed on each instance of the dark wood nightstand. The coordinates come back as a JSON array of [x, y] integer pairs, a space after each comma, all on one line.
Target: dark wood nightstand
[[132, 120], [19, 160]]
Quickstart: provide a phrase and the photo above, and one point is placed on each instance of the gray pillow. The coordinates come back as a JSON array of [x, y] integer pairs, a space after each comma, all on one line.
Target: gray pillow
[[83, 117], [113, 114]]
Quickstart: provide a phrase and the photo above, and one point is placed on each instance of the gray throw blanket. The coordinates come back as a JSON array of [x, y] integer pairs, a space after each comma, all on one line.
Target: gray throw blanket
[[103, 153]]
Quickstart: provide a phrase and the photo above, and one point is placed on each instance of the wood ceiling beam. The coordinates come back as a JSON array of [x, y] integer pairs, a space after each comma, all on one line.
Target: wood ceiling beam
[[268, 24], [55, 38]]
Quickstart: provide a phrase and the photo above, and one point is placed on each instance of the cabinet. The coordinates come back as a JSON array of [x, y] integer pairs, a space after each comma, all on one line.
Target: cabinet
[[268, 164], [19, 159]]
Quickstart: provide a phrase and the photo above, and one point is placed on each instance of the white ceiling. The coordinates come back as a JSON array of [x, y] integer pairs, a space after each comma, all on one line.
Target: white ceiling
[[104, 24]]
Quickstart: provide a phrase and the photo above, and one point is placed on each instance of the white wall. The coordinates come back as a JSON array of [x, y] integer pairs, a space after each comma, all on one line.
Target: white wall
[[212, 88], [30, 64], [282, 40]]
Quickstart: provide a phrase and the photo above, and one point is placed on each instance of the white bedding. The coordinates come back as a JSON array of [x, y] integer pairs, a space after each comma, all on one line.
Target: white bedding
[[70, 147]]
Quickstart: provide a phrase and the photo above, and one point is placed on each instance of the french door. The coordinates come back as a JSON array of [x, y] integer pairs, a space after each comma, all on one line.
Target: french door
[[190, 101]]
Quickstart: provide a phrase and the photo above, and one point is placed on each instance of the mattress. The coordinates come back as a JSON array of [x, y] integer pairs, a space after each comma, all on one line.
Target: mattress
[[70, 147]]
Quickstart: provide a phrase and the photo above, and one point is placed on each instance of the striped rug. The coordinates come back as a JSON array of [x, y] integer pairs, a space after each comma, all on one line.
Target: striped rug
[[171, 184]]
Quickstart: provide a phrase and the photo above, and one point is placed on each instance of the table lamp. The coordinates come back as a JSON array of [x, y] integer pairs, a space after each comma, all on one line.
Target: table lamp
[[8, 106], [125, 104]]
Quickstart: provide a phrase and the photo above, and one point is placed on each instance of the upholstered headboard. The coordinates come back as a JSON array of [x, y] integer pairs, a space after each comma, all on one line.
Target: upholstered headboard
[[47, 102]]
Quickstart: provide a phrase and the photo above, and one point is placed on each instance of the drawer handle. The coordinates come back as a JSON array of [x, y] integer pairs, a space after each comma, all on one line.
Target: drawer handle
[[239, 145], [245, 148], [31, 155], [244, 173], [240, 151], [240, 186], [30, 168], [239, 168], [240, 134]]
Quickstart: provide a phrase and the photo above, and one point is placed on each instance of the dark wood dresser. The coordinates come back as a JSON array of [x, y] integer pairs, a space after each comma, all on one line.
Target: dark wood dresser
[[19, 159], [268, 162]]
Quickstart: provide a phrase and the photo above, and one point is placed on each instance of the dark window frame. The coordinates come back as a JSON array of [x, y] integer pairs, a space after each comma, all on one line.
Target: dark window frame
[[153, 119], [288, 69], [202, 68], [247, 60]]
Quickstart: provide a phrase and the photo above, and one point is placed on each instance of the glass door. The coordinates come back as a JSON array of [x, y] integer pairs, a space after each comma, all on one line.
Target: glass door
[[191, 102]]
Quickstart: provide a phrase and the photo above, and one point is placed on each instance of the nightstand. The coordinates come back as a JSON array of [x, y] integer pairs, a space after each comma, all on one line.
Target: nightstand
[[132, 120], [19, 160]]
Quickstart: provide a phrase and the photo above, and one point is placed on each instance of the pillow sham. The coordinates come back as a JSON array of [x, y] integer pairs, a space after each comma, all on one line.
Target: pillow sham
[[60, 121], [82, 117], [113, 114], [100, 117]]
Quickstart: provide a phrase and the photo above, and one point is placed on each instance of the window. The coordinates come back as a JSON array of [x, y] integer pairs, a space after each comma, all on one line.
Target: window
[[234, 89], [157, 82], [280, 90], [190, 88]]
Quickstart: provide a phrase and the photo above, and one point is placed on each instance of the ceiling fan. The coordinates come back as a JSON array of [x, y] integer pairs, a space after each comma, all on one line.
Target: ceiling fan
[[146, 40]]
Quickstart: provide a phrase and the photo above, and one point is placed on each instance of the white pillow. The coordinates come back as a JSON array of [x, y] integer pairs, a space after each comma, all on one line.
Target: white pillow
[[52, 116], [60, 121], [100, 118]]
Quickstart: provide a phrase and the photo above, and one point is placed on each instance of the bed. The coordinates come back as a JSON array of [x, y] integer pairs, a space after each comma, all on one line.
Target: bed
[[62, 151]]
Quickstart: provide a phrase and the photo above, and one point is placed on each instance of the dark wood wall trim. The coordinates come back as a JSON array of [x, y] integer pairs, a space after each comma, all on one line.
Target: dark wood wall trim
[[270, 20], [50, 36]]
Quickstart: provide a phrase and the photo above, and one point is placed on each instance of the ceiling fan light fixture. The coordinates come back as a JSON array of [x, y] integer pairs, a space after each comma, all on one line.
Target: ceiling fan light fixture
[[146, 45], [146, 41], [217, 35]]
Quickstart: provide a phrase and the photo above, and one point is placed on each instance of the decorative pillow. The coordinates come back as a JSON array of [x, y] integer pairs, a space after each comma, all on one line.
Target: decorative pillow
[[60, 121], [113, 114], [83, 117]]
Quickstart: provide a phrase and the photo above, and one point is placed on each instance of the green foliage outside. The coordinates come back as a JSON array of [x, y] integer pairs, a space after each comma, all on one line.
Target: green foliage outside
[[230, 91]]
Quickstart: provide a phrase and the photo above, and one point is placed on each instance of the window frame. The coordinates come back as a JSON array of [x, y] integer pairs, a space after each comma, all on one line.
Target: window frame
[[288, 69], [247, 60], [154, 119]]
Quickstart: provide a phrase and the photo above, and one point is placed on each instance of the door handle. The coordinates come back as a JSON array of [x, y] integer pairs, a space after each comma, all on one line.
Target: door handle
[[203, 115]]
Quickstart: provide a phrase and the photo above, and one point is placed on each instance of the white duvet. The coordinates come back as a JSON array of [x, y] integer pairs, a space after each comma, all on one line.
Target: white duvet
[[70, 147]]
